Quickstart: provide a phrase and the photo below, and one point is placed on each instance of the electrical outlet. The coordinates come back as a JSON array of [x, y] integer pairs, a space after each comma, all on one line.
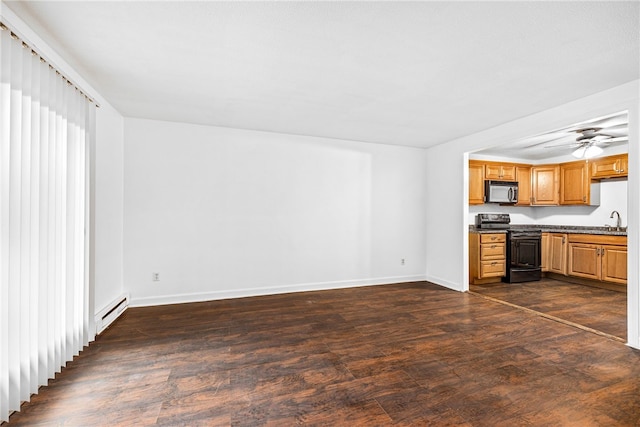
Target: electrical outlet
[[155, 277], [402, 261]]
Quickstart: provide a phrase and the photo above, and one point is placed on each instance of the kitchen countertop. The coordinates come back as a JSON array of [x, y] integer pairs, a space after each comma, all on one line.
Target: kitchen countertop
[[570, 229]]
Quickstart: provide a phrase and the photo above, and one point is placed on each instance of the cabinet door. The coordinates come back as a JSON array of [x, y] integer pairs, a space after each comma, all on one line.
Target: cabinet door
[[557, 257], [614, 264], [523, 176], [492, 171], [608, 167], [500, 171], [623, 165], [508, 172], [544, 243], [574, 183], [545, 185], [584, 260], [476, 183]]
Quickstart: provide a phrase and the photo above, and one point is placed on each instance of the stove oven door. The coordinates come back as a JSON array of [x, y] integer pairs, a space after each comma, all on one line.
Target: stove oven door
[[525, 253]]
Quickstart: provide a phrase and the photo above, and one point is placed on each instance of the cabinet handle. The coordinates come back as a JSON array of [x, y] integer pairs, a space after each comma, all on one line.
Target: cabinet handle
[[563, 240], [584, 198]]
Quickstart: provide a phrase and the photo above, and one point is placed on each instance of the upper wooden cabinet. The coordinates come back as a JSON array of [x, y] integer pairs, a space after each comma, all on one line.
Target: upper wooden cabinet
[[571, 183], [610, 167], [500, 171], [476, 183], [523, 176], [575, 184], [545, 185]]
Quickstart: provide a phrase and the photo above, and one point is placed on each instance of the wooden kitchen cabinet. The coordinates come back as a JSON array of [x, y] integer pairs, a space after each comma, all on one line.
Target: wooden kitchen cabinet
[[557, 253], [545, 185], [487, 257], [575, 185], [614, 264], [476, 183], [500, 171], [544, 250], [610, 167], [523, 176], [598, 257]]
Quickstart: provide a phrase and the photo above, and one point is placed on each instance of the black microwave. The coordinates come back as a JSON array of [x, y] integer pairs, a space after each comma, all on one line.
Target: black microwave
[[505, 192]]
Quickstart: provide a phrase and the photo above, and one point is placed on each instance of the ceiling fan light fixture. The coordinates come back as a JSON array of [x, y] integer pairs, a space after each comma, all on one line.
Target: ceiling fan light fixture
[[578, 153], [587, 151], [592, 151]]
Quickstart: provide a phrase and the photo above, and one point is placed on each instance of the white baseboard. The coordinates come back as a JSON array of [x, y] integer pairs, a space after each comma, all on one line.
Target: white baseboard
[[111, 312], [443, 282], [251, 292]]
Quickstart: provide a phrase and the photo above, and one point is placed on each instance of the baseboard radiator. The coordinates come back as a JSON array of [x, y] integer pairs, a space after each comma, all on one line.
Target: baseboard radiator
[[110, 313]]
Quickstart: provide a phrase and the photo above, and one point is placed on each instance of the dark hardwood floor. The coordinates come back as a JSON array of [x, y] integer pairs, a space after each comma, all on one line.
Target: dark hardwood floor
[[405, 354], [600, 309]]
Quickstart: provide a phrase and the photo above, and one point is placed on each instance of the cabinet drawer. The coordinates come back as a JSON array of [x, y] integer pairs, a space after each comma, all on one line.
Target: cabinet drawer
[[492, 268], [490, 251], [493, 238]]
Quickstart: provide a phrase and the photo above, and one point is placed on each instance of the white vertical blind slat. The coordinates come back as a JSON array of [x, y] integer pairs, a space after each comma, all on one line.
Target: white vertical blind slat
[[24, 188], [45, 124], [5, 119], [15, 243]]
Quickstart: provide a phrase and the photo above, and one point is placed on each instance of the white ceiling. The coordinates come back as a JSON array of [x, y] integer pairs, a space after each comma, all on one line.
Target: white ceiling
[[406, 73]]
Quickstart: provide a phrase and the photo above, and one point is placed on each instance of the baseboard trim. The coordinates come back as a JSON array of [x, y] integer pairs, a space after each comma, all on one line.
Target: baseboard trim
[[443, 282], [252, 292]]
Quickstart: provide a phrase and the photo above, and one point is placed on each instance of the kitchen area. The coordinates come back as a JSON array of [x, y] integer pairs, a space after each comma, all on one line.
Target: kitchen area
[[547, 227]]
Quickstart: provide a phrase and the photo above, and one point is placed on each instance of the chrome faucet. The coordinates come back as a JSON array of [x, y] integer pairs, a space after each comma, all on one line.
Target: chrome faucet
[[618, 221]]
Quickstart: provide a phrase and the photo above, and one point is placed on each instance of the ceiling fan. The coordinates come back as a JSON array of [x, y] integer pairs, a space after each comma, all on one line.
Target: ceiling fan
[[587, 139]]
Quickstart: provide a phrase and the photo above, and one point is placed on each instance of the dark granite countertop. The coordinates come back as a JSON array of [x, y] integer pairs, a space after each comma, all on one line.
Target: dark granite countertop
[[571, 229]]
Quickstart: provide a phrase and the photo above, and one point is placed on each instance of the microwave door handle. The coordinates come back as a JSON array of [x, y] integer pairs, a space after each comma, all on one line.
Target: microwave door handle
[[510, 194], [515, 194]]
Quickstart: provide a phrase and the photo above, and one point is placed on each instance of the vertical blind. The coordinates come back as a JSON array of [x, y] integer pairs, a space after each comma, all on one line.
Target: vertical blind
[[46, 125]]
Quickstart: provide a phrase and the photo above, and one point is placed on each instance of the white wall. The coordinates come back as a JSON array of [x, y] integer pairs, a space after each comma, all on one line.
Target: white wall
[[221, 212], [613, 196], [447, 224], [108, 206]]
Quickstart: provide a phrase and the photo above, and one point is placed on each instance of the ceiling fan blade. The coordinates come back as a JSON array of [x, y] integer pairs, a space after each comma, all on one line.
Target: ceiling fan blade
[[619, 139], [620, 126], [614, 132], [571, 138], [609, 122], [575, 144], [544, 138]]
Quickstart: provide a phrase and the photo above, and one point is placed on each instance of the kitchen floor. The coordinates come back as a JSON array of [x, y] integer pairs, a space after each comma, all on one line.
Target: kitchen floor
[[602, 310]]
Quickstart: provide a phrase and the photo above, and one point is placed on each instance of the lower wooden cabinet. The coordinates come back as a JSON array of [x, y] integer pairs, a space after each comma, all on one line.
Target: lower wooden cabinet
[[556, 253], [598, 257], [487, 257]]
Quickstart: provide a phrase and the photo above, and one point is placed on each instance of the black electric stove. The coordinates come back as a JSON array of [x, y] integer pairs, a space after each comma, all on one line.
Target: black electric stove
[[524, 247]]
